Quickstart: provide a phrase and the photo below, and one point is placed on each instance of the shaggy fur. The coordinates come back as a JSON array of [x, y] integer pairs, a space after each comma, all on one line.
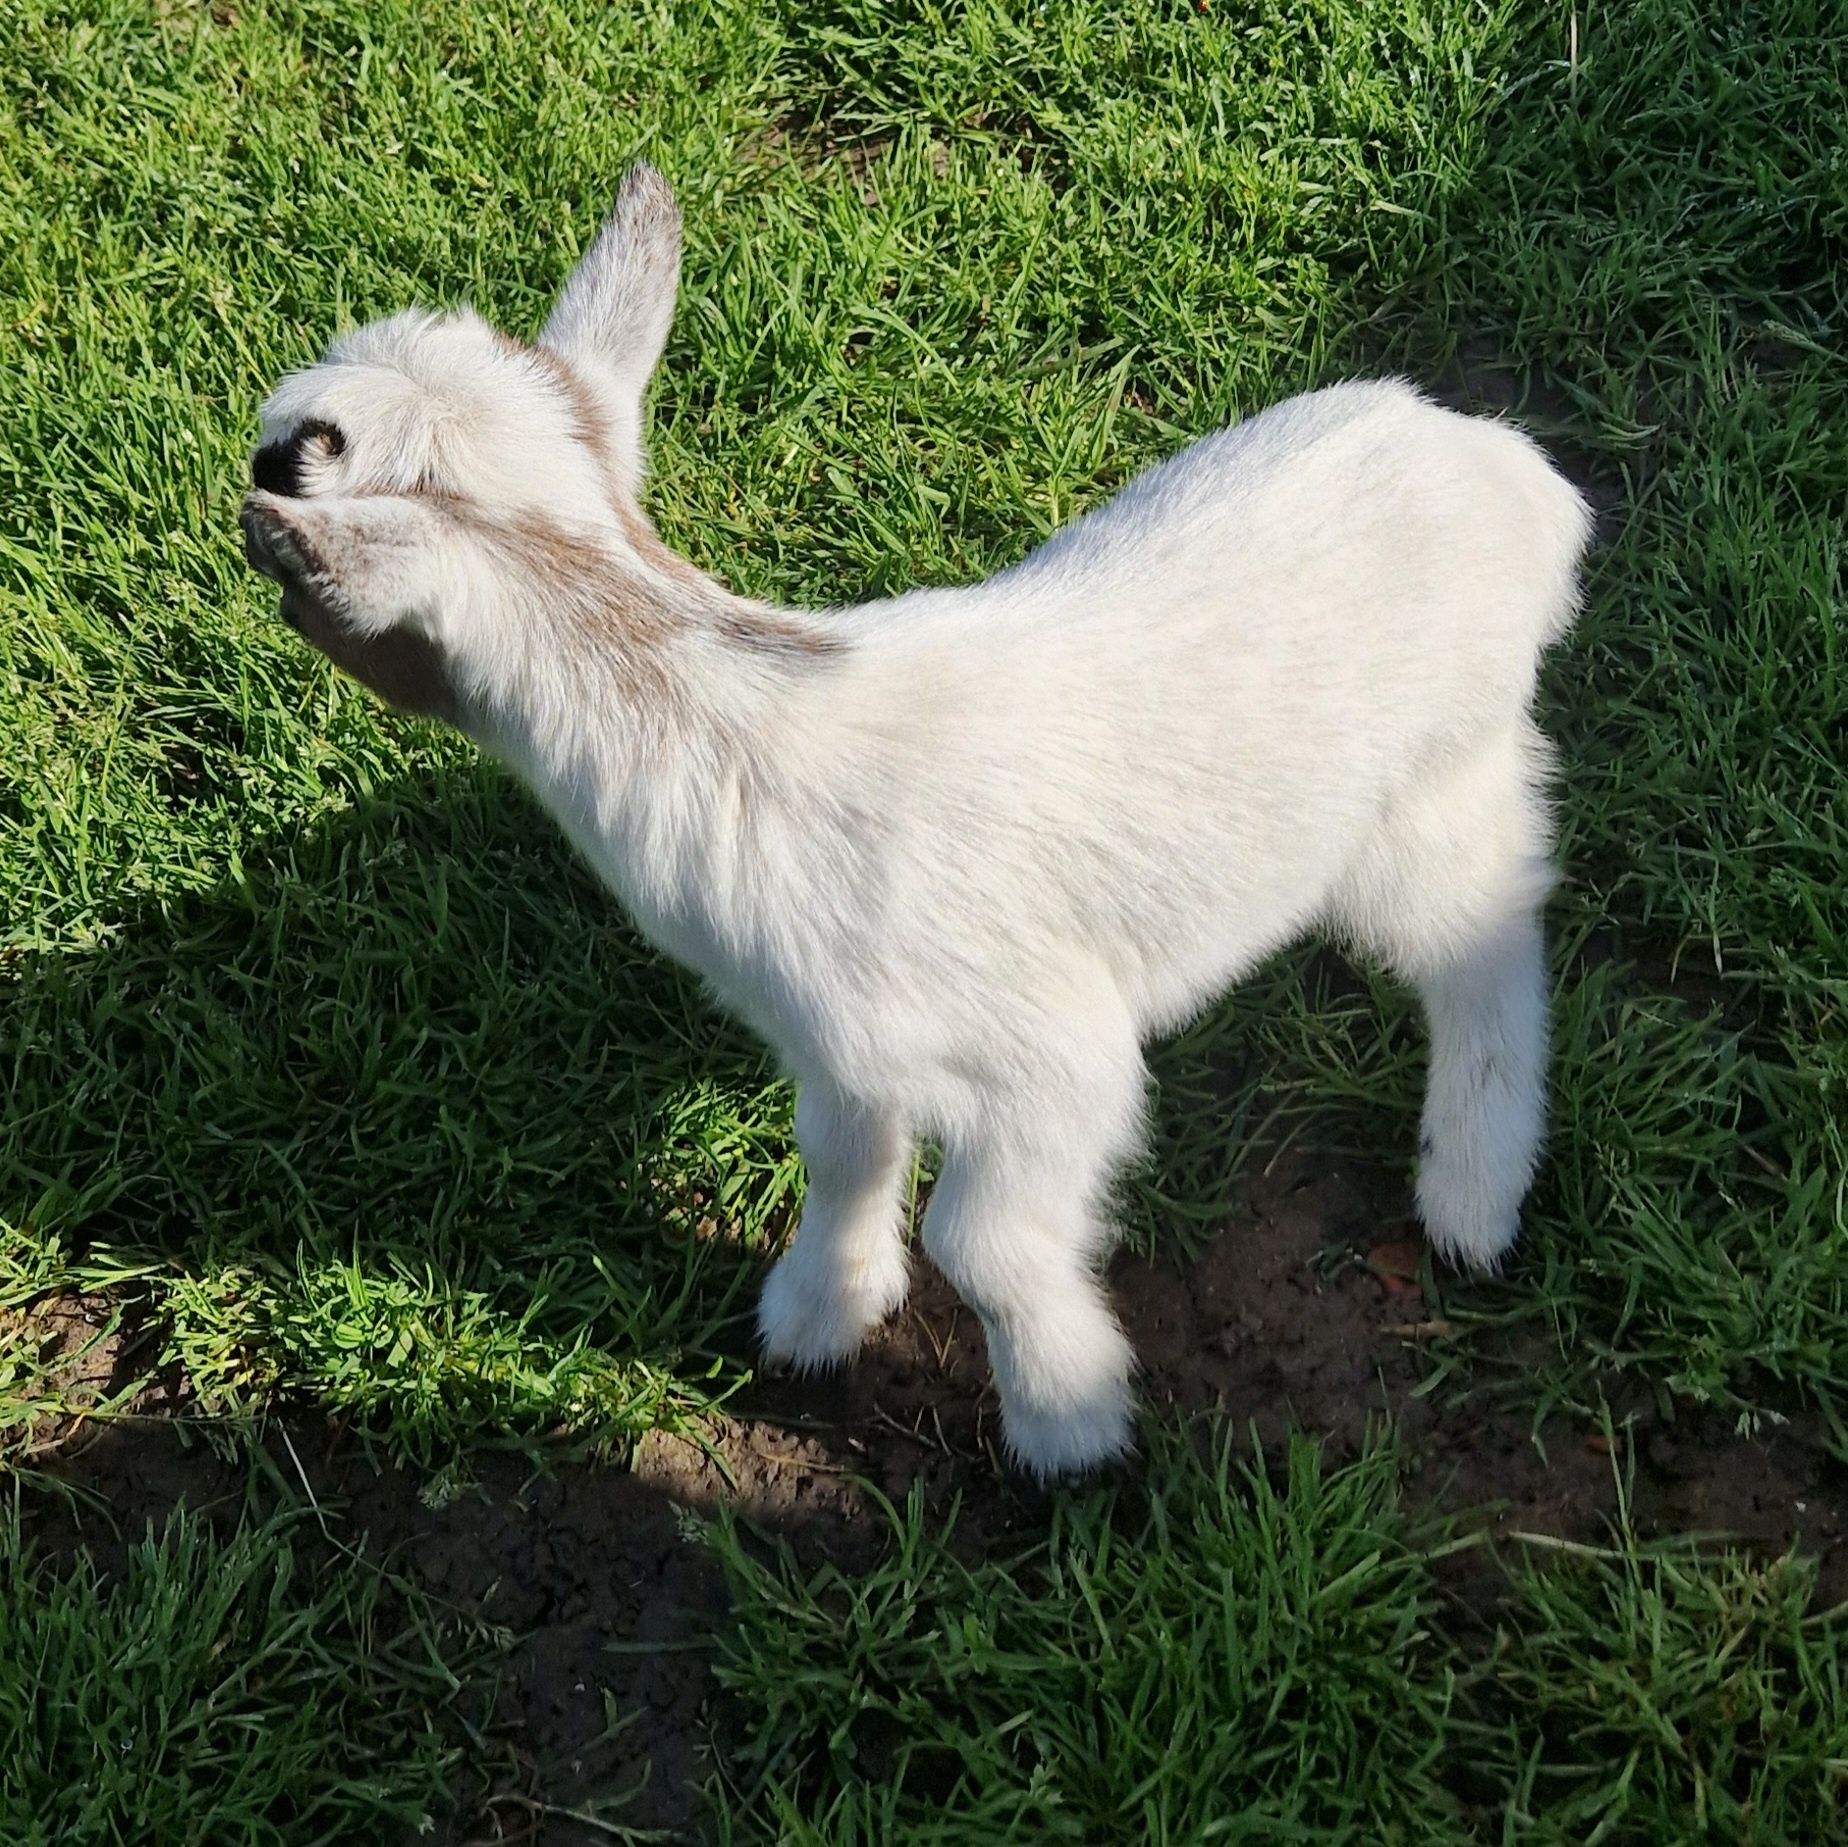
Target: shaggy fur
[[957, 855]]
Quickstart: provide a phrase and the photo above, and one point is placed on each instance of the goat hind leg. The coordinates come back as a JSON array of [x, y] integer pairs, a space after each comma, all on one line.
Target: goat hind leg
[[1451, 896]]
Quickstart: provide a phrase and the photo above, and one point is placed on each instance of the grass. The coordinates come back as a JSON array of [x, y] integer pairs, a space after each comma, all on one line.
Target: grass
[[1253, 1654], [322, 1066], [1230, 1639], [222, 1688]]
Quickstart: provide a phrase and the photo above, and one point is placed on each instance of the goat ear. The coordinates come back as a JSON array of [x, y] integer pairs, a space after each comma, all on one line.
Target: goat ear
[[613, 314]]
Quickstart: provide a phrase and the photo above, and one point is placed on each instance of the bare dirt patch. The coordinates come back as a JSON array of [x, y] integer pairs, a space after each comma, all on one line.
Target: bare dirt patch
[[1307, 1311], [77, 1354]]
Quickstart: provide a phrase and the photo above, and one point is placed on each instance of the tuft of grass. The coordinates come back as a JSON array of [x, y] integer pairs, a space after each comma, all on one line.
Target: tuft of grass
[[65, 1325], [220, 1689], [1226, 1632], [1664, 1693], [1232, 1651]]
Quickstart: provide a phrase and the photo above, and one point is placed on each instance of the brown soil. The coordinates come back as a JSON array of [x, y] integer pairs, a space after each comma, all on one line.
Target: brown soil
[[85, 1363], [1308, 1311]]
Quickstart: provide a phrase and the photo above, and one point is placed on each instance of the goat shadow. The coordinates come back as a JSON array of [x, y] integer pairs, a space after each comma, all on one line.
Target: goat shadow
[[408, 1053]]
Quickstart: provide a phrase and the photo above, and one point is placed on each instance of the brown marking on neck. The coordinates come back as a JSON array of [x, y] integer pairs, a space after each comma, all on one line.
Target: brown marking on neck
[[612, 602], [585, 579], [771, 632], [591, 425]]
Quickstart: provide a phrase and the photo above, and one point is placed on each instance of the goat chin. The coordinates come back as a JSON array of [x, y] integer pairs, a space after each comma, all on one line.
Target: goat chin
[[958, 854]]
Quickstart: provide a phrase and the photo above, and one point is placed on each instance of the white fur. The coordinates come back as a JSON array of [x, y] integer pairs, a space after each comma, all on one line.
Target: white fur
[[960, 866]]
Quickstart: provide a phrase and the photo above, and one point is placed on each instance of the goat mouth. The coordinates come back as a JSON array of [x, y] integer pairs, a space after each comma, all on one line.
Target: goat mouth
[[300, 608], [298, 605], [257, 552]]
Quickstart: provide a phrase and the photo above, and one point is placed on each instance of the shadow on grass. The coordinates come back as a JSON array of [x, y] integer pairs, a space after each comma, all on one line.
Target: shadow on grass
[[403, 1117], [556, 1624], [402, 1120]]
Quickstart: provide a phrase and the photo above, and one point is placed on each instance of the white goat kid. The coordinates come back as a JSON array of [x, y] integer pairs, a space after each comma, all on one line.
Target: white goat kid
[[958, 854]]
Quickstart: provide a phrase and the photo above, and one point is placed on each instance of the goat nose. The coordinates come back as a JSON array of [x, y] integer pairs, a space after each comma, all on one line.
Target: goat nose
[[277, 467]]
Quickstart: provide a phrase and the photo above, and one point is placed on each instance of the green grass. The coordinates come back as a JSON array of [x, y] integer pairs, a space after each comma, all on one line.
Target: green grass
[[1228, 1655], [321, 1062], [215, 1688], [1128, 1678]]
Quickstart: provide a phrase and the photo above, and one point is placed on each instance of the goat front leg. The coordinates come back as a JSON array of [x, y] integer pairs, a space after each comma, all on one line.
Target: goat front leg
[[846, 1271]]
